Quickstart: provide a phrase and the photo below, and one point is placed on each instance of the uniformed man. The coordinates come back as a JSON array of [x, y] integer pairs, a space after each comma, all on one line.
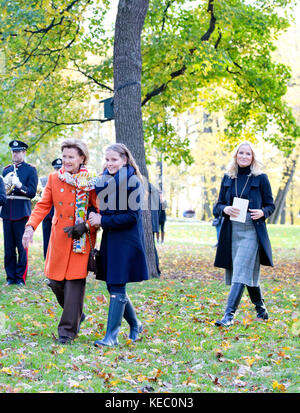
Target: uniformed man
[[47, 222], [21, 182]]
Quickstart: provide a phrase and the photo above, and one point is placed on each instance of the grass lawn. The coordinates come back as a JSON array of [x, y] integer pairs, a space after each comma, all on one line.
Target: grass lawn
[[180, 349]]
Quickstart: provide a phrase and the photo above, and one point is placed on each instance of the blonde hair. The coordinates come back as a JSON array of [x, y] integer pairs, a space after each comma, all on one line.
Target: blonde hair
[[255, 167], [125, 153], [79, 145]]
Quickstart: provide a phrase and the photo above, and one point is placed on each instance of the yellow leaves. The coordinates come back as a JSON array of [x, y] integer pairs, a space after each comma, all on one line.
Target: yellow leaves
[[225, 345], [50, 312], [295, 330], [51, 365], [156, 372], [153, 376], [283, 355], [108, 352], [48, 7], [189, 381], [141, 378], [6, 370], [114, 382], [155, 350], [247, 321], [278, 386], [250, 361], [191, 295]]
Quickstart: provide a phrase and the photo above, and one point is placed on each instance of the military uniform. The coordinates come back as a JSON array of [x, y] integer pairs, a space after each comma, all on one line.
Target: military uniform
[[47, 222], [15, 213]]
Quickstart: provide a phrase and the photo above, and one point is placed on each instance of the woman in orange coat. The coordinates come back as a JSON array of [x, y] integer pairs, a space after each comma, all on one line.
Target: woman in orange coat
[[70, 190]]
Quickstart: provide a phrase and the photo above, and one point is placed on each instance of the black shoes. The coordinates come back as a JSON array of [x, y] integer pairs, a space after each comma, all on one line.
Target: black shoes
[[68, 340], [18, 282], [64, 340]]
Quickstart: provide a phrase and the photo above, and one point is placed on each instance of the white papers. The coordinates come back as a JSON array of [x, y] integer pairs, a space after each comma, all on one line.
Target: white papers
[[242, 205]]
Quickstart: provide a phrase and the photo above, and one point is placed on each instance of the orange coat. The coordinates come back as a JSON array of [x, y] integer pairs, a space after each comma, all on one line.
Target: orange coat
[[61, 262]]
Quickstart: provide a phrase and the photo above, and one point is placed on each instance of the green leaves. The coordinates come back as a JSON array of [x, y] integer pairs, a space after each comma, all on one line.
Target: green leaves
[[236, 58], [219, 55]]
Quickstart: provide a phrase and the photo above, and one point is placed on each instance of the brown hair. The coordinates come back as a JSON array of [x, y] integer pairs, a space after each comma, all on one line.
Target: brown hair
[[79, 145], [125, 153]]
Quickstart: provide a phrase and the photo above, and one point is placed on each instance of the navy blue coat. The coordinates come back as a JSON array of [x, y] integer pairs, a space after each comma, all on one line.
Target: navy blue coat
[[16, 209], [260, 197], [122, 257], [2, 192]]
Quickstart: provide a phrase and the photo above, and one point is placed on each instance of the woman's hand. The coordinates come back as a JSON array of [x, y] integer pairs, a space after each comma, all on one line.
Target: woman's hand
[[76, 231], [231, 211], [256, 213], [27, 236], [95, 219]]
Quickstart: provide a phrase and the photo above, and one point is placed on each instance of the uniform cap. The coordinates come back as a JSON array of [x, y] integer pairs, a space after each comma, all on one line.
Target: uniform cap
[[18, 145], [57, 163]]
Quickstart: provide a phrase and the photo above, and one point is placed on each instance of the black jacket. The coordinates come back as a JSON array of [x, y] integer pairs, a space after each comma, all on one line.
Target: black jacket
[[122, 257], [15, 209], [260, 197]]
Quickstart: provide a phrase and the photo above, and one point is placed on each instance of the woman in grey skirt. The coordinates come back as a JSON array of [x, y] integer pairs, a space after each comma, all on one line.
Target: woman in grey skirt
[[245, 201]]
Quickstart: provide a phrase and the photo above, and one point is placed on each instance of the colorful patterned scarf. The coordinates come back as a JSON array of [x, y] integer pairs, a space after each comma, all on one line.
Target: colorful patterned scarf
[[83, 183]]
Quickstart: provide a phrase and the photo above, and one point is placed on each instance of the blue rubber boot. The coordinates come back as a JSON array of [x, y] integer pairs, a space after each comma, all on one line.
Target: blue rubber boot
[[115, 314], [135, 325]]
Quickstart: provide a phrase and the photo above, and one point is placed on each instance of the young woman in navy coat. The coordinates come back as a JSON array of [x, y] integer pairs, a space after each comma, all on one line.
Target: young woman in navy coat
[[243, 247], [2, 192], [122, 257]]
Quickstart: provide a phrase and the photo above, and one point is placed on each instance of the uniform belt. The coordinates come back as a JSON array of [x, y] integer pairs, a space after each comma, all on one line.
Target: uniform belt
[[24, 198]]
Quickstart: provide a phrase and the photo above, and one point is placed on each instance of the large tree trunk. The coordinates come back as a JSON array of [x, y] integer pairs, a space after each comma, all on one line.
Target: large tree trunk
[[127, 98], [280, 200]]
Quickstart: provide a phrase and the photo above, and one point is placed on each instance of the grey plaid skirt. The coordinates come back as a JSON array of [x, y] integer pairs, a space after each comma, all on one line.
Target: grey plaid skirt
[[245, 255]]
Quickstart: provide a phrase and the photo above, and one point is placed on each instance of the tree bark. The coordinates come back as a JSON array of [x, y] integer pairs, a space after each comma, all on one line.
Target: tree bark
[[127, 98], [280, 200]]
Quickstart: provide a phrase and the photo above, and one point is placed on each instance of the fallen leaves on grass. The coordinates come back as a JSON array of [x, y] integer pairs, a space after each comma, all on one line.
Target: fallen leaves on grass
[[179, 350]]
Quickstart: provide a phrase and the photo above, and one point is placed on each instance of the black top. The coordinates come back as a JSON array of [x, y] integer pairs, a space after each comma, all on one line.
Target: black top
[[240, 182]]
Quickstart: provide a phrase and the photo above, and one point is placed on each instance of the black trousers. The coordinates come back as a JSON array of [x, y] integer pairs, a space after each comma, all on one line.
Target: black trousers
[[47, 225], [15, 256], [70, 296]]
